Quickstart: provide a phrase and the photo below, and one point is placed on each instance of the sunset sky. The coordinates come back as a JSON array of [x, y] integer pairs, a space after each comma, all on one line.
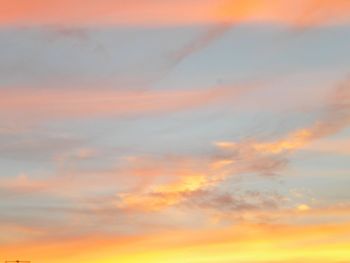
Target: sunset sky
[[175, 131]]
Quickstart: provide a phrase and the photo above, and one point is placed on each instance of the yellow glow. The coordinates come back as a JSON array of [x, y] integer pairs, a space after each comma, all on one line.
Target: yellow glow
[[242, 243], [163, 195], [303, 207]]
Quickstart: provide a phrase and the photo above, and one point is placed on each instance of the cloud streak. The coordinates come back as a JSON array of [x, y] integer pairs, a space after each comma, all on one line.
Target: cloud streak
[[271, 157], [74, 103]]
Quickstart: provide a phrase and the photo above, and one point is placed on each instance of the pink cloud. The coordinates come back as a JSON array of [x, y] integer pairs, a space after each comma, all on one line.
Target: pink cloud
[[87, 103]]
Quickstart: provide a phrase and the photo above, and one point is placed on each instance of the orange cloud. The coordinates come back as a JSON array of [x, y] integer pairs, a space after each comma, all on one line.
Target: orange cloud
[[294, 141], [298, 13], [183, 177], [158, 13], [194, 185], [163, 196]]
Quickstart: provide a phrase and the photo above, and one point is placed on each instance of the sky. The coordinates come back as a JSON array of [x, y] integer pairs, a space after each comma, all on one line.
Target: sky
[[177, 131]]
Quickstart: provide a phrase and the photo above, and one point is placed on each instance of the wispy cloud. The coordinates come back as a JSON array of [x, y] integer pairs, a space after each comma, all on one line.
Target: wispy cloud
[[269, 157], [67, 103]]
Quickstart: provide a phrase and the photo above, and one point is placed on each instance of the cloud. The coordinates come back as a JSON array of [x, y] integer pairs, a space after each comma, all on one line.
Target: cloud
[[336, 116], [195, 186], [233, 13], [160, 13], [226, 202], [297, 14], [146, 187], [163, 196], [93, 12], [201, 42], [271, 156], [196, 45], [170, 182], [155, 184], [86, 103]]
